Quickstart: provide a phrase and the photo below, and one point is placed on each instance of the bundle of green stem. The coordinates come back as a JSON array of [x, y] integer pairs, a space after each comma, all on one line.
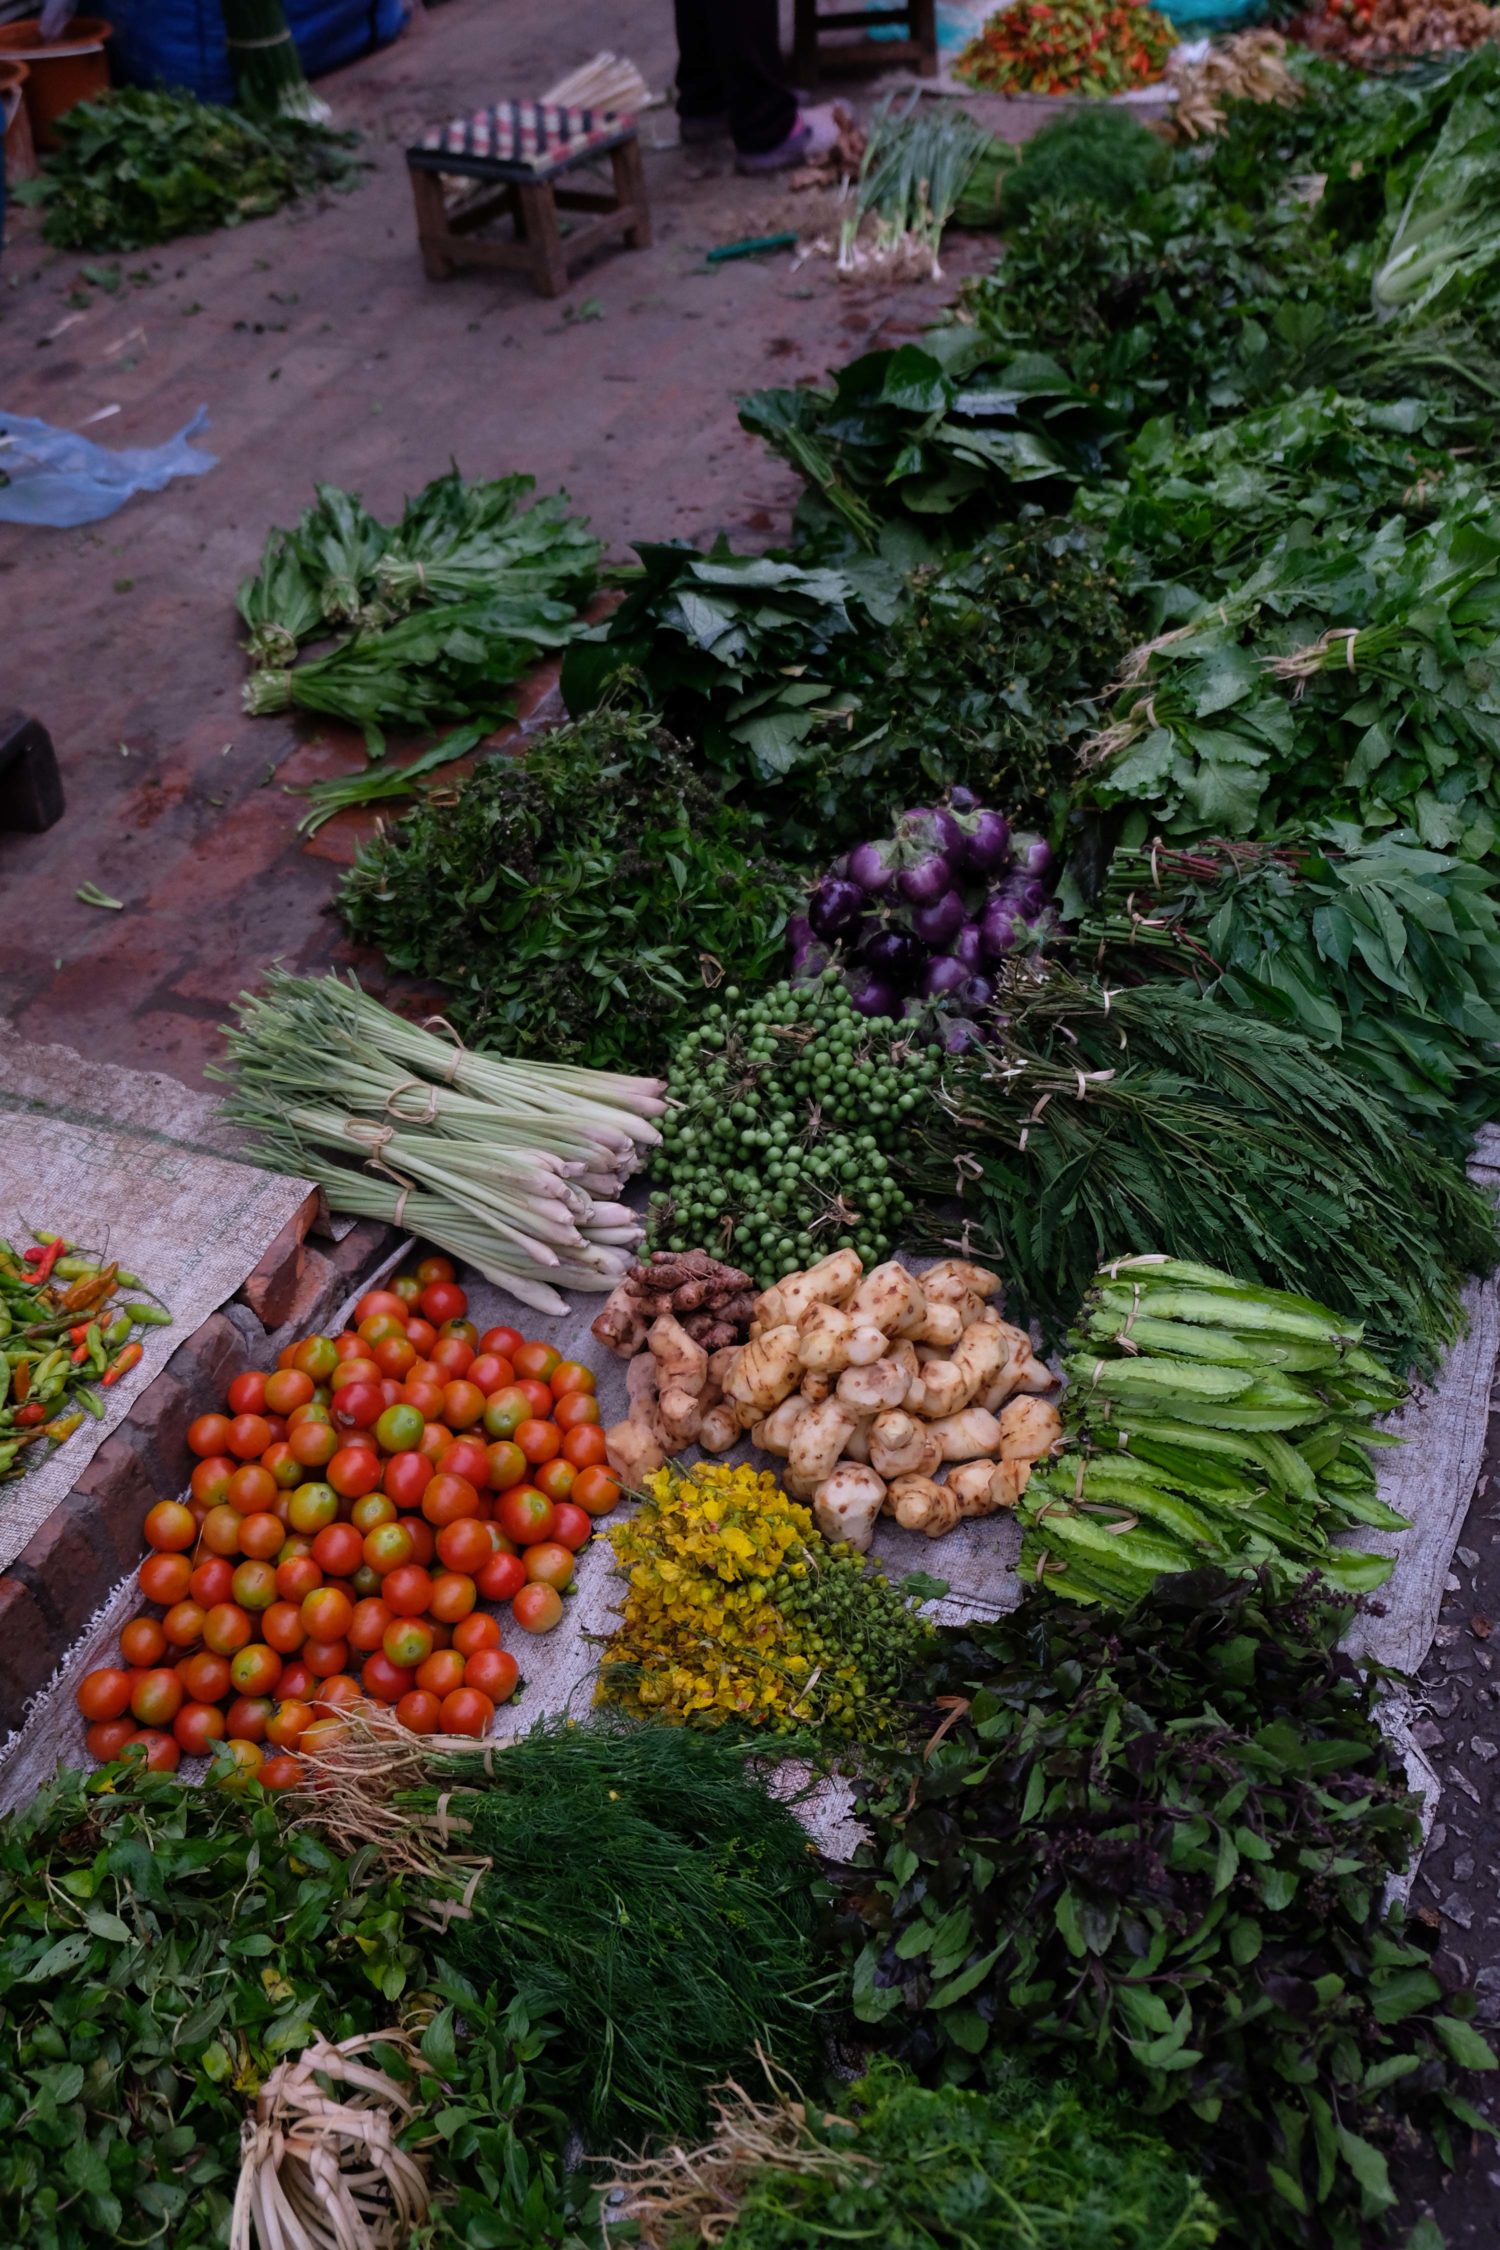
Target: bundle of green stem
[[917, 165], [1386, 953], [514, 1167], [1208, 1421], [268, 76], [1104, 1120]]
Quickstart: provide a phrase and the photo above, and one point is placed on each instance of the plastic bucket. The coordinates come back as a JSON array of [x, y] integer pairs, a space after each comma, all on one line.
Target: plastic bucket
[[15, 122], [61, 72]]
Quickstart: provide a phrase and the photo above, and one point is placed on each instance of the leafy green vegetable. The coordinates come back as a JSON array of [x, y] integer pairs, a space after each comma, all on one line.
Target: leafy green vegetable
[[1090, 155], [1101, 1121], [580, 902], [1025, 2167], [163, 1947], [1156, 1844], [135, 168], [1387, 954]]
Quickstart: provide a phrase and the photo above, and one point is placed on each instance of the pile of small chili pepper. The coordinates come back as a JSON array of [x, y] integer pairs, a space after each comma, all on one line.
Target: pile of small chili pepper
[[1068, 47], [63, 1329]]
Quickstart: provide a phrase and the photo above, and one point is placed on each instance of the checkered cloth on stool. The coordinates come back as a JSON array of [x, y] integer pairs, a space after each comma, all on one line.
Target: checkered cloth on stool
[[520, 140]]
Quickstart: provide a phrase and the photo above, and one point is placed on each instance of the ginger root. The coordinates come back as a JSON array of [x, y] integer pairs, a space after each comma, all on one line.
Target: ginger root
[[901, 1446], [1029, 1427], [890, 1299], [846, 1504], [682, 1376], [765, 1370], [969, 1436], [817, 1442], [638, 1445], [829, 1282]]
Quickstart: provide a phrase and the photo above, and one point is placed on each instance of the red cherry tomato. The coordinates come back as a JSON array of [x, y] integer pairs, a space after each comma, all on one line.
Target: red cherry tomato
[[464, 1545], [247, 1393], [143, 1643], [288, 1722], [166, 1578], [538, 1361], [379, 1301], [226, 1628], [283, 1627], [504, 1342], [312, 1445], [296, 1575], [107, 1738], [368, 1624], [209, 1483], [441, 1672], [571, 1526], [327, 1614], [408, 1591], [170, 1527], [419, 1712], [576, 1410], [386, 1681], [491, 1372], [338, 1549], [555, 1478], [160, 1752], [255, 1669], [538, 1397], [249, 1435], [571, 1377], [468, 1457], [324, 1658], [104, 1694], [406, 1478], [495, 1672], [466, 1711], [262, 1536], [205, 1677], [502, 1578], [435, 1267], [447, 1498], [208, 1435], [287, 1389], [443, 1300], [451, 1357], [539, 1441], [507, 1465], [358, 1406], [282, 1772], [550, 1563], [537, 1608], [453, 1596], [478, 1630], [156, 1697], [424, 1540], [421, 1335], [248, 1717], [525, 1515], [197, 1727], [463, 1404], [183, 1625], [297, 1683], [395, 1357], [595, 1489]]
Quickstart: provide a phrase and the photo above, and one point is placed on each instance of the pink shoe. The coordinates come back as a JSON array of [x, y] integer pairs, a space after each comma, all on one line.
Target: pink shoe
[[814, 132]]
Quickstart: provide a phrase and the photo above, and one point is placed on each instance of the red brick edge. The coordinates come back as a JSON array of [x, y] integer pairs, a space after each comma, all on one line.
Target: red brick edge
[[93, 1539]]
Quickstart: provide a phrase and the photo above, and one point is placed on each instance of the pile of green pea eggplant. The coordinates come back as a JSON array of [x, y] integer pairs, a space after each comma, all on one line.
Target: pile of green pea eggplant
[[1208, 1420]]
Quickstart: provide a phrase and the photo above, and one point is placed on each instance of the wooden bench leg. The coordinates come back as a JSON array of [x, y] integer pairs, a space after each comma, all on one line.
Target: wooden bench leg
[[924, 31], [31, 790], [549, 266], [432, 223], [630, 187]]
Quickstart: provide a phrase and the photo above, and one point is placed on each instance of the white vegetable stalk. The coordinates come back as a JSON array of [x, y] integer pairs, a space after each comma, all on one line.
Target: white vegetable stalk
[[514, 1167]]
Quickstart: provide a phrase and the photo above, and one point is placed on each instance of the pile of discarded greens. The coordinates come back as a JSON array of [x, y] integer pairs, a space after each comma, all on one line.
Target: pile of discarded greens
[[1156, 1845], [1025, 2166], [1207, 1421], [1385, 954], [133, 168], [1097, 1121], [580, 902], [449, 606]]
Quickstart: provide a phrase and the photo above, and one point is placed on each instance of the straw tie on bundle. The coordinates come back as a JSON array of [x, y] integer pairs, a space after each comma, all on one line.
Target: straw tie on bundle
[[320, 2169]]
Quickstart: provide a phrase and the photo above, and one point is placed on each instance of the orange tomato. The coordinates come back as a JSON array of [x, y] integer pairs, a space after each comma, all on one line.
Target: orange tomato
[[281, 1772], [465, 1545], [476, 1631], [441, 1672], [240, 1762], [296, 1575], [183, 1625], [253, 1586], [537, 1608], [419, 1711], [287, 1389], [283, 1627], [495, 1672], [584, 1446], [254, 1669], [249, 1435], [537, 1361], [453, 1596], [288, 1723], [446, 1499], [226, 1628], [576, 1410], [208, 1435], [156, 1697], [596, 1490], [539, 1441], [261, 1537], [327, 1614], [169, 1527], [205, 1677], [312, 1444], [105, 1694], [408, 1591], [466, 1711], [550, 1563], [571, 1377], [555, 1478], [143, 1642], [463, 1404], [166, 1578]]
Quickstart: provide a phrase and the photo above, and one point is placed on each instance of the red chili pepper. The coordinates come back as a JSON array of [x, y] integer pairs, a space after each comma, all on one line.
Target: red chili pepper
[[20, 1378], [80, 1354], [46, 1259], [34, 1253], [29, 1416], [122, 1364]]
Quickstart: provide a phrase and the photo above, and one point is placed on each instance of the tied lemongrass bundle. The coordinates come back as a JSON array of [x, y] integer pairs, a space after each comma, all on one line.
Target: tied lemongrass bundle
[[516, 1168], [917, 166]]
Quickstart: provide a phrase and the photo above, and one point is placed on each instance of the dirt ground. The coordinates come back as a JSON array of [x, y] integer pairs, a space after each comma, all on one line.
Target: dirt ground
[[322, 353]]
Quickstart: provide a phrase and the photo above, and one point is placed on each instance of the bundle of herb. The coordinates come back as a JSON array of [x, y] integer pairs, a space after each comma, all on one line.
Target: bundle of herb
[[1100, 1121], [1386, 954], [163, 1947], [580, 902], [686, 1936], [1092, 155], [1157, 1844], [133, 168], [821, 694], [1026, 2166], [1357, 684], [1207, 1421]]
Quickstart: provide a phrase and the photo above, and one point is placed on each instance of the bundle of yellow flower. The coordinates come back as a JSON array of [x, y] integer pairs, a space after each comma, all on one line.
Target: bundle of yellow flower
[[738, 1608]]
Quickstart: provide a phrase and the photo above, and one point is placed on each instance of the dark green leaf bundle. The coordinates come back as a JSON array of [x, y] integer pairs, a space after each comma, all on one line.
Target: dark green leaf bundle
[[651, 1901], [900, 2166], [1101, 1121], [1156, 1844], [1207, 1421], [163, 1947], [135, 168], [1387, 955], [1090, 155], [580, 902]]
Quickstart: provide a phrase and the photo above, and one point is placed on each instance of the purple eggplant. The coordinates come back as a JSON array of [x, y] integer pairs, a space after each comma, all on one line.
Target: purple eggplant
[[808, 962], [942, 976], [798, 932], [912, 1008], [1023, 892], [957, 1035], [923, 881], [871, 995], [930, 828], [1030, 854], [986, 842], [873, 866], [962, 800], [940, 923], [1002, 928], [975, 996], [835, 907], [894, 955], [966, 947]]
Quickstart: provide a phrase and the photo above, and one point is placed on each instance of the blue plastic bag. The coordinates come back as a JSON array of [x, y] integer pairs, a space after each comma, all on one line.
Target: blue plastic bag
[[57, 478]]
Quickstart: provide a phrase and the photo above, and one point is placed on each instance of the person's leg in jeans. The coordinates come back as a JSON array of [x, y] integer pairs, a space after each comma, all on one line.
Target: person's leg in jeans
[[730, 58]]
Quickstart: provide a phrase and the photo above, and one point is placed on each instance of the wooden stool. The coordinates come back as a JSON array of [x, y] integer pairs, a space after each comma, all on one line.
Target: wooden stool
[[519, 151], [916, 20], [31, 790]]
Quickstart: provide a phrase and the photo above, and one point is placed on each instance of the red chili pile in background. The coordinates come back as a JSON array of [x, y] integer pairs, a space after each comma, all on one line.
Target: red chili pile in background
[[347, 1515]]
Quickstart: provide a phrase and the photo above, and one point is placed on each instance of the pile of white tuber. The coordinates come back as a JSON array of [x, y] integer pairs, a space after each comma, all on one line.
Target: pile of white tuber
[[889, 1393]]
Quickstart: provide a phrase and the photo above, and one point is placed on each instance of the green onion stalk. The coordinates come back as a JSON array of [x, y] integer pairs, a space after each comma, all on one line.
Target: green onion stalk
[[268, 76], [515, 1167]]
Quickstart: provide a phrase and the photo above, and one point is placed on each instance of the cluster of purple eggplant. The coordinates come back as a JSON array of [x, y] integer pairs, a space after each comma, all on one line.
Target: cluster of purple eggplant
[[924, 918]]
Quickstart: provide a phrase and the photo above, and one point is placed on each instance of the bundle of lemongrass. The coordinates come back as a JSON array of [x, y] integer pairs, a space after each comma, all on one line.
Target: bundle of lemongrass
[[515, 1167]]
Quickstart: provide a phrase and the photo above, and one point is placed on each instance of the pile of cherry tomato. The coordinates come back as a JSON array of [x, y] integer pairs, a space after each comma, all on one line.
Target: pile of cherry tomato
[[347, 1516]]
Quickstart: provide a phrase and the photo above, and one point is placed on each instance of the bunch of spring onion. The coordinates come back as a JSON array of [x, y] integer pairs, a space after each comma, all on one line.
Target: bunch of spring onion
[[917, 165], [1208, 1421], [514, 1167]]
